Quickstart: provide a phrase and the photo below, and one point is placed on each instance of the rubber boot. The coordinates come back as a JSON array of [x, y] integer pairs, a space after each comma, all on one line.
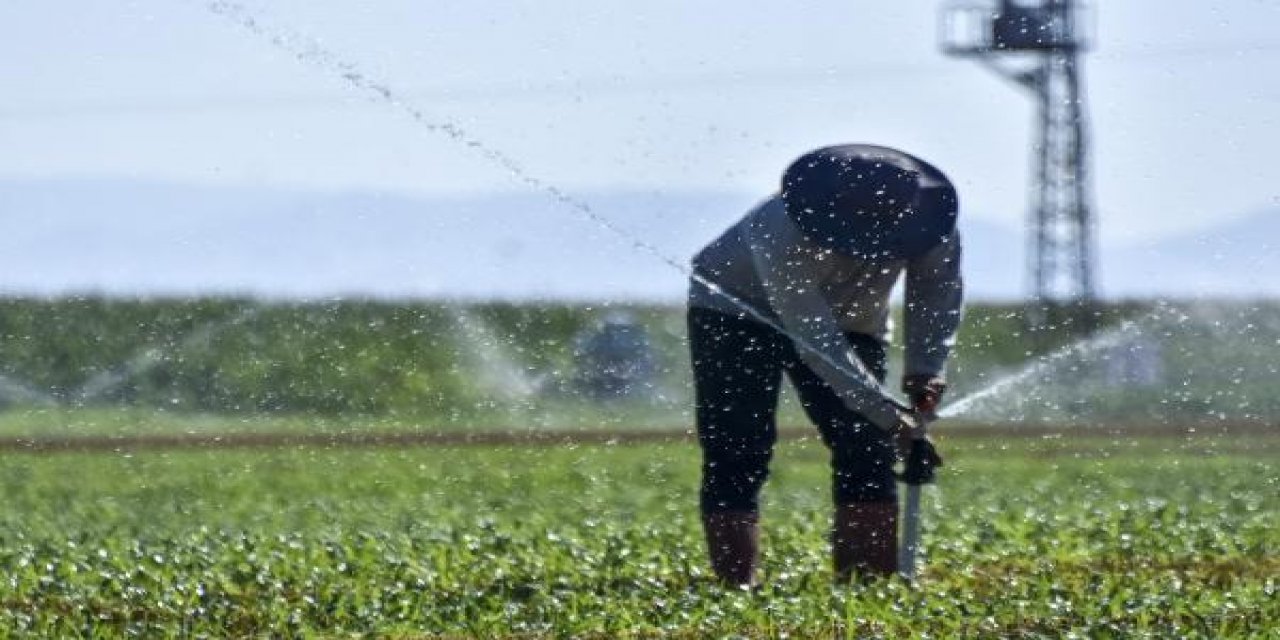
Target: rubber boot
[[733, 543], [864, 541]]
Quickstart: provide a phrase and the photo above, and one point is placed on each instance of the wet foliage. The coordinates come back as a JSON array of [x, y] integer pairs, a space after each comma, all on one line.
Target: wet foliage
[[1158, 537]]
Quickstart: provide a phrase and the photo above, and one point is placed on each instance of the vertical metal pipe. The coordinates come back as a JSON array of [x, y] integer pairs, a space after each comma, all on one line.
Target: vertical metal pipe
[[910, 548]]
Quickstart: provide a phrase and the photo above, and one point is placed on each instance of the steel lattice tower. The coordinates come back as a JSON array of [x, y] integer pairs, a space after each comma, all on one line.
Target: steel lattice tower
[[1036, 45]]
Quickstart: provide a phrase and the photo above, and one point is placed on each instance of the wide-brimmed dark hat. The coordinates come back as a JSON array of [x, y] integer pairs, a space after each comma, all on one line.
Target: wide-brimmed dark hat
[[869, 201]]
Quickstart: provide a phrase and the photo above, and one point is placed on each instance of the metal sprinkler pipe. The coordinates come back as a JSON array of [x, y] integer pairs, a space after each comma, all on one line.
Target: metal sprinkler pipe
[[917, 472]]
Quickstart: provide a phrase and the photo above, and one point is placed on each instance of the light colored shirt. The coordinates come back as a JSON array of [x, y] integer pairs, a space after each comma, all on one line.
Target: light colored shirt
[[816, 295]]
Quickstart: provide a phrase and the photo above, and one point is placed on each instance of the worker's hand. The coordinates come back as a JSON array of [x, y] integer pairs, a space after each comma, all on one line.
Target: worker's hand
[[906, 431], [925, 392], [922, 461]]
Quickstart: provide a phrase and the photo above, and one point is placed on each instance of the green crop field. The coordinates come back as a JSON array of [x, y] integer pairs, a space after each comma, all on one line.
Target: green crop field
[[133, 506], [1149, 537]]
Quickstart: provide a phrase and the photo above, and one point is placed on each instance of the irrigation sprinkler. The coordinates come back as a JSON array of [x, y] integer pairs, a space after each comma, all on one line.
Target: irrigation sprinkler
[[918, 470], [910, 549]]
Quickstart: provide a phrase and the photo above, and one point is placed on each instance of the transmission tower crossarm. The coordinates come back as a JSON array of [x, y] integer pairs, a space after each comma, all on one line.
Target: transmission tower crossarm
[[1029, 79]]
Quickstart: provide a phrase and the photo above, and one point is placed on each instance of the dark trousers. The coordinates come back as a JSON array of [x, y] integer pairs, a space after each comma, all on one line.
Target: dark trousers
[[737, 368]]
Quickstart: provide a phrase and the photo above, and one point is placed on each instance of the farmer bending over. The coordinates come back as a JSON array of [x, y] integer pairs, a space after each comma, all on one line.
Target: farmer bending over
[[820, 261]]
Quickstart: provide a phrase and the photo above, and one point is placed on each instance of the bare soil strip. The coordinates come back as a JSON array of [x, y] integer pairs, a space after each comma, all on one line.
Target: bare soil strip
[[491, 437]]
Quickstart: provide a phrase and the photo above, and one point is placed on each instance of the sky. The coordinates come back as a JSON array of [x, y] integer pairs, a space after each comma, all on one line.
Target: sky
[[586, 97]]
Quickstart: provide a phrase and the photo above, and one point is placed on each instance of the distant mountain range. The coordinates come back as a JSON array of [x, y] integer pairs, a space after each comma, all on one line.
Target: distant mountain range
[[140, 238]]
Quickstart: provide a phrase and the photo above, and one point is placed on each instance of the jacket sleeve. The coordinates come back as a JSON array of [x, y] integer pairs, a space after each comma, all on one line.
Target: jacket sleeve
[[933, 301], [789, 280]]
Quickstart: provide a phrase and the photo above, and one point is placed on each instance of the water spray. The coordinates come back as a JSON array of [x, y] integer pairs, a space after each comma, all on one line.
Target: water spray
[[309, 52], [498, 370], [1102, 341], [152, 356], [12, 390]]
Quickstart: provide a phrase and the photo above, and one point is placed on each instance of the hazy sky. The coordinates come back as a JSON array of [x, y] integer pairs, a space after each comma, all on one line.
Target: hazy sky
[[663, 95]]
